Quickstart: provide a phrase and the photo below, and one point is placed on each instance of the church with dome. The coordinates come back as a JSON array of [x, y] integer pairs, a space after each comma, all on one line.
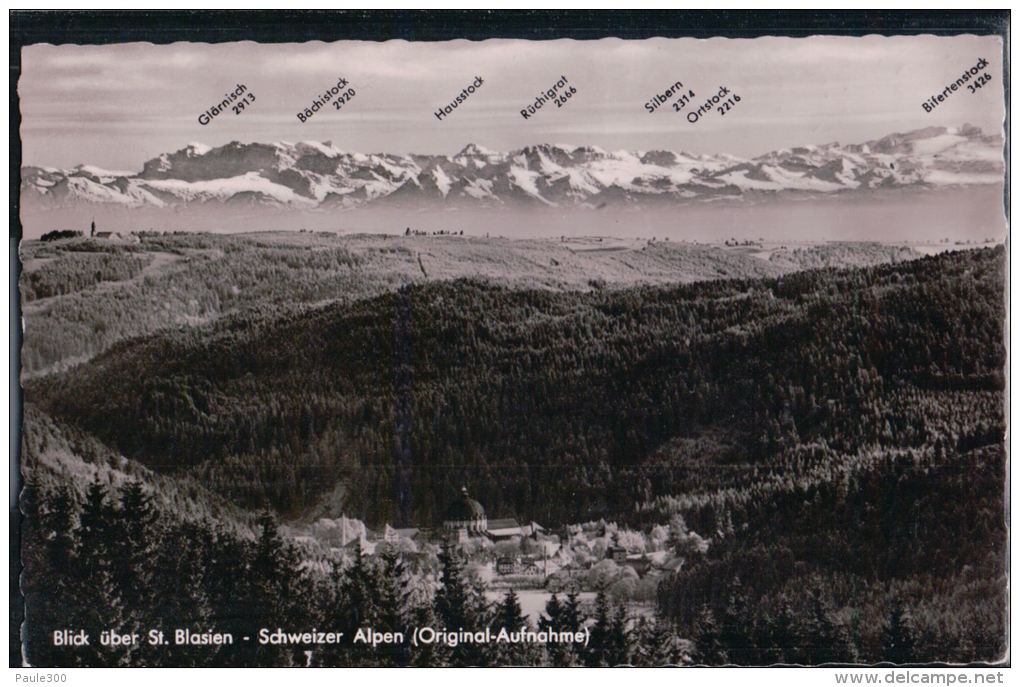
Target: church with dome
[[465, 518]]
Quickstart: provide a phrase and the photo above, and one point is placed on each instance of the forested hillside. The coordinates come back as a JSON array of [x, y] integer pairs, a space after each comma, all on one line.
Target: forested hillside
[[899, 556], [58, 456], [836, 436], [81, 296], [558, 406]]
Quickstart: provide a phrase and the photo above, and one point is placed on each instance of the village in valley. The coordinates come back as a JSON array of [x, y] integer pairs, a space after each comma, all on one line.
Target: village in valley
[[505, 553]]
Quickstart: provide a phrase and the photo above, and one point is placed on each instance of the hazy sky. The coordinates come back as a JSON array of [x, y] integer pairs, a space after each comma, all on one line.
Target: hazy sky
[[117, 106]]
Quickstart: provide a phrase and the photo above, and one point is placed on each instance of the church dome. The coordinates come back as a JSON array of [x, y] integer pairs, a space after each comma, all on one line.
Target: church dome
[[464, 509]]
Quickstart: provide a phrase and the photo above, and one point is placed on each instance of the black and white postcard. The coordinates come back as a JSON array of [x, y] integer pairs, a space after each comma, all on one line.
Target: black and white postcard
[[509, 352]]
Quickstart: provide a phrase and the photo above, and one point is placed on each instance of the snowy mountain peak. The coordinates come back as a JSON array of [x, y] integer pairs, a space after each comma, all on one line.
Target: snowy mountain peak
[[196, 149], [311, 174], [473, 149]]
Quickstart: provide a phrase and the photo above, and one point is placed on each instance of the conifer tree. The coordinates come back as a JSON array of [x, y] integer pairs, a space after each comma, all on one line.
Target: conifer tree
[[571, 616], [426, 655], [553, 613], [510, 617], [97, 551], [392, 604], [597, 653], [51, 579], [619, 638], [226, 564], [178, 601], [552, 620], [765, 649], [360, 594], [453, 605], [272, 571], [58, 528], [736, 636], [897, 636], [783, 635], [562, 617], [708, 639], [458, 606], [334, 615], [662, 643], [642, 647], [132, 568], [824, 638]]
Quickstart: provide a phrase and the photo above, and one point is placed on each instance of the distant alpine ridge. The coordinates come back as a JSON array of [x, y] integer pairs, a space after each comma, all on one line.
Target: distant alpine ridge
[[312, 175]]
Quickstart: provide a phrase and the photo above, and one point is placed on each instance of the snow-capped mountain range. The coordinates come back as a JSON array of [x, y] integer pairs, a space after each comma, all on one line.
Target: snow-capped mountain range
[[312, 175]]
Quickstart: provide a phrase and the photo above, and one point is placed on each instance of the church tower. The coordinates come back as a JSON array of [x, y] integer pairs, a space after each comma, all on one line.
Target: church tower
[[465, 518]]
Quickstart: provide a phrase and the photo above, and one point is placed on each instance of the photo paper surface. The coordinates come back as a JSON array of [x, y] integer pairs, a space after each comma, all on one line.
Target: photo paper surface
[[510, 352]]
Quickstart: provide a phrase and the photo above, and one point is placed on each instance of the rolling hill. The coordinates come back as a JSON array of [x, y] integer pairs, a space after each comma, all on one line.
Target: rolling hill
[[553, 403], [834, 436], [79, 296]]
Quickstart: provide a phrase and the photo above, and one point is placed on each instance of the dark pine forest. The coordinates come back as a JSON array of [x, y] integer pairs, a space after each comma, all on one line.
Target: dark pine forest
[[838, 434]]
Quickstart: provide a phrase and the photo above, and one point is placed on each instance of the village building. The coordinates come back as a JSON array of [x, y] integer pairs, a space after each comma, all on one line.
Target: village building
[[504, 529], [340, 532], [639, 563], [116, 236], [393, 535], [617, 554], [534, 565], [532, 529], [464, 518], [508, 565]]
